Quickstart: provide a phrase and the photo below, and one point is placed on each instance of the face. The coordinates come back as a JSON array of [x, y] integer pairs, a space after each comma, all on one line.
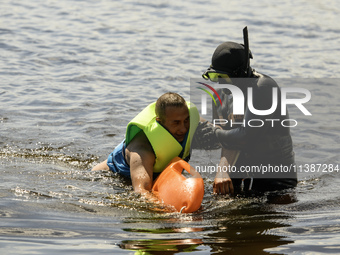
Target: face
[[177, 122]]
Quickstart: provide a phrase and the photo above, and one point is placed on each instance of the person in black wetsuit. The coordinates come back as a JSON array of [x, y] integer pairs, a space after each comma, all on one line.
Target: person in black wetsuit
[[245, 146]]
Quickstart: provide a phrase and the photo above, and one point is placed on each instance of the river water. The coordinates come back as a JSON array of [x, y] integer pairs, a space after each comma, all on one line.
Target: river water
[[73, 73]]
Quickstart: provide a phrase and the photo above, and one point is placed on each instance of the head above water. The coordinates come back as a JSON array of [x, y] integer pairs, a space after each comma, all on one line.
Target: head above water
[[229, 58], [173, 114]]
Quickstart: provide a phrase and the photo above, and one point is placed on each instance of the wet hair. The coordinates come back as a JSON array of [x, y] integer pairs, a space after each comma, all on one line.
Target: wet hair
[[166, 100]]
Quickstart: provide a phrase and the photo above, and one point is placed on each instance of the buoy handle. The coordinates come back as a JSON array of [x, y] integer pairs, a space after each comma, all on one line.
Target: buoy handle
[[181, 164]]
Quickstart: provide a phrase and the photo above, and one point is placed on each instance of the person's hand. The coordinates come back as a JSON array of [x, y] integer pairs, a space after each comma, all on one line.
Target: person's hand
[[205, 137], [208, 131], [223, 185]]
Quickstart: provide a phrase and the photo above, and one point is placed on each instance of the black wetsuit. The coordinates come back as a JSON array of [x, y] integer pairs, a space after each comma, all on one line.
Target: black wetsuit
[[267, 146]]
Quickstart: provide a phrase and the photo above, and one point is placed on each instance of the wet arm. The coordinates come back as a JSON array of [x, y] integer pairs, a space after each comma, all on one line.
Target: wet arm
[[141, 170]]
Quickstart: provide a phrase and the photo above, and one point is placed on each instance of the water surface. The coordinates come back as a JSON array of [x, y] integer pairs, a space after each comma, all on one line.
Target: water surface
[[73, 73]]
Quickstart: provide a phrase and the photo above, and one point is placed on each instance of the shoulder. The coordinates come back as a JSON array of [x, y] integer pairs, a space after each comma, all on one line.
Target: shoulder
[[140, 145], [264, 81]]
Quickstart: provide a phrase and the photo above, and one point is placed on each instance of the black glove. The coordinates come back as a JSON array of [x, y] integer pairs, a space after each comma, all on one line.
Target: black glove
[[205, 137]]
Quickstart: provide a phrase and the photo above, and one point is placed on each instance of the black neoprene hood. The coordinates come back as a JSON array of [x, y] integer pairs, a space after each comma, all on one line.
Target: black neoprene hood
[[229, 57]]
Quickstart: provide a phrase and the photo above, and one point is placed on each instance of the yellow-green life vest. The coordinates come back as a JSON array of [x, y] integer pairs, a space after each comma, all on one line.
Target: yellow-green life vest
[[164, 145]]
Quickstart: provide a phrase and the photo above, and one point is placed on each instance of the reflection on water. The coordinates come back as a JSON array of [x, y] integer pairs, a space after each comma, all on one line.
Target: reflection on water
[[161, 246], [244, 221], [249, 225]]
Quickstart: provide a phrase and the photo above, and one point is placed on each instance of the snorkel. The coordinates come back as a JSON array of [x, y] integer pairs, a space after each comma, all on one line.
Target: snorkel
[[246, 49], [230, 60]]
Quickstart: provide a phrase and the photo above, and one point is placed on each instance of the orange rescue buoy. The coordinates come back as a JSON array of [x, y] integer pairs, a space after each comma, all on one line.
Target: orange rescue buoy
[[172, 188]]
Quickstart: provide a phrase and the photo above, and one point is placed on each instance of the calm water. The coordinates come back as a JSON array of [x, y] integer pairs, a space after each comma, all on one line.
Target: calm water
[[73, 73]]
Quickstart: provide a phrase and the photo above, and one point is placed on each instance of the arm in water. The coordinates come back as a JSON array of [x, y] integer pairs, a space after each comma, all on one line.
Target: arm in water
[[222, 183], [141, 158]]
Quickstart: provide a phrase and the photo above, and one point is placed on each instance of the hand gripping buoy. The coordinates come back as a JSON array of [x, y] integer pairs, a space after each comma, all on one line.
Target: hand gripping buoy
[[172, 188]]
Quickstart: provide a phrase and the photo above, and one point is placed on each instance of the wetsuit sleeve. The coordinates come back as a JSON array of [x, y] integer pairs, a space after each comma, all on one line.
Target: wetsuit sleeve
[[255, 126]]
